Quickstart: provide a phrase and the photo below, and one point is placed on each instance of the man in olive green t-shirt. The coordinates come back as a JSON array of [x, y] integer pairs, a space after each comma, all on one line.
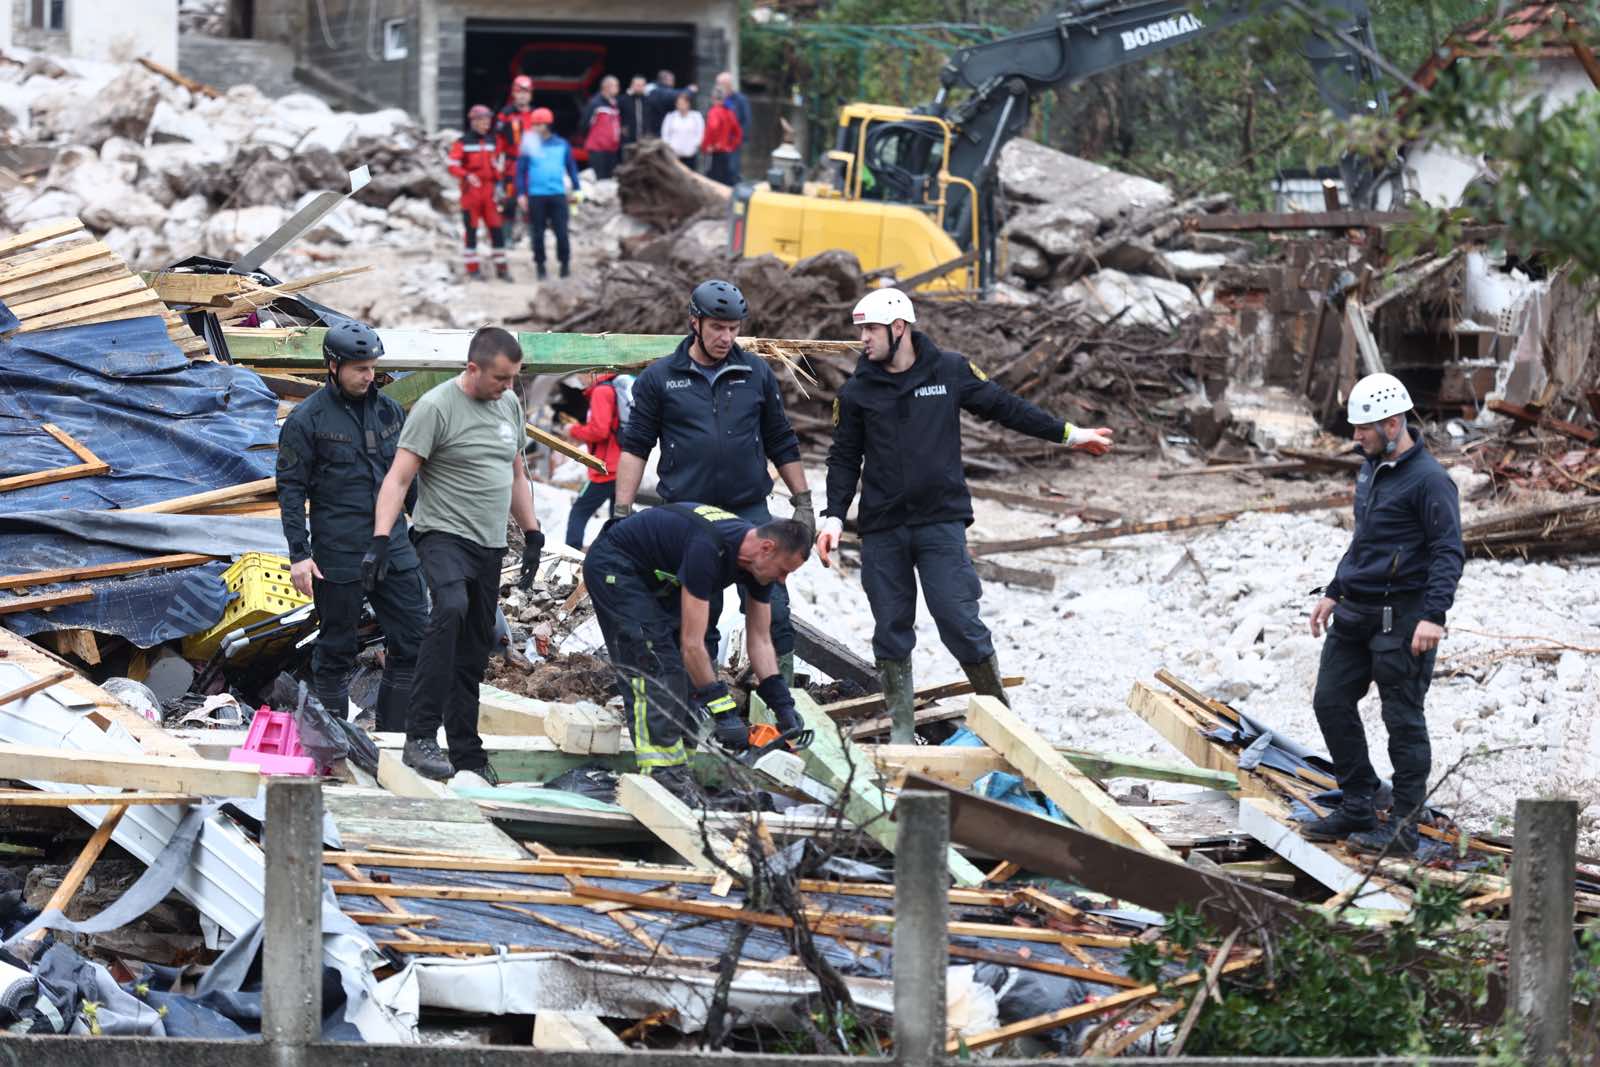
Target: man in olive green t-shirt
[[463, 441]]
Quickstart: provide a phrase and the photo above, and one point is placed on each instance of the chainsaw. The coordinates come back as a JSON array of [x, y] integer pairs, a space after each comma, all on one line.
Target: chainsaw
[[773, 755]]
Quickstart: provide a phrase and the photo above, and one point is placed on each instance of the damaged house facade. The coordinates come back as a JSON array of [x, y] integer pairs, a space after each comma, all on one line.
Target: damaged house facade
[[436, 58]]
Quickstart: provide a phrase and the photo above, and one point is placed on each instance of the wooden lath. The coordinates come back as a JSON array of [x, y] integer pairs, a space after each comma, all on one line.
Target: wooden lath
[[59, 275]]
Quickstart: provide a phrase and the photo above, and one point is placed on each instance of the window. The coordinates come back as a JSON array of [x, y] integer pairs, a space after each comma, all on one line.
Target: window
[[396, 39], [48, 14]]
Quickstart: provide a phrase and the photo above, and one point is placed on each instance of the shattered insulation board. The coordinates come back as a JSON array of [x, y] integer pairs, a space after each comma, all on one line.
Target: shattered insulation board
[[377, 819], [58, 275]]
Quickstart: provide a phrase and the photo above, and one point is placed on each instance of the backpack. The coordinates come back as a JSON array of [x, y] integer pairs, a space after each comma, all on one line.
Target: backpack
[[622, 385]]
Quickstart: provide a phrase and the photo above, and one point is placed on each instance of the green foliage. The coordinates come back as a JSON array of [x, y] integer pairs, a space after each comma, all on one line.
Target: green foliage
[[1327, 990]]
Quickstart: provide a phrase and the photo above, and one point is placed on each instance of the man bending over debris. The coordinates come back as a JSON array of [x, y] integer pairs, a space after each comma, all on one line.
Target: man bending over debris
[[478, 160], [897, 432], [334, 451], [1384, 614], [651, 578], [718, 412], [464, 437]]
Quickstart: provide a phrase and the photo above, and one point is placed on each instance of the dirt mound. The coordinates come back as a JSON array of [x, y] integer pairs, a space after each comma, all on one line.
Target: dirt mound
[[566, 678]]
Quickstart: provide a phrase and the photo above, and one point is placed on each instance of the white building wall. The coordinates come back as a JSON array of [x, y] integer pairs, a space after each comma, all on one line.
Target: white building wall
[[119, 31]]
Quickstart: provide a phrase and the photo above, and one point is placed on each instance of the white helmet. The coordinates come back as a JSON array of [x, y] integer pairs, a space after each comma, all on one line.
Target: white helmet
[[882, 307], [1376, 397]]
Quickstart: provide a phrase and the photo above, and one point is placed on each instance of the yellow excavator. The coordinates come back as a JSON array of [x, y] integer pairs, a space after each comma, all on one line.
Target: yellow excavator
[[914, 189]]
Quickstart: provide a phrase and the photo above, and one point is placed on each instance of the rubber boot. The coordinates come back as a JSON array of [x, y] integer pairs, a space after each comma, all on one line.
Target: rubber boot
[[900, 695], [1354, 815], [786, 668], [985, 678], [394, 698]]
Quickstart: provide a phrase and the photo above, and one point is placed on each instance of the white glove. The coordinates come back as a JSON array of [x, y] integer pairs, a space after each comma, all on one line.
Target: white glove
[[828, 534], [1095, 442]]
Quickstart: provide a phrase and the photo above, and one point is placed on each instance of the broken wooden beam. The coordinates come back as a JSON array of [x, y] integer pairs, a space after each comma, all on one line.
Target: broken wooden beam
[[1186, 522], [38, 685], [1533, 417], [832, 657], [564, 447], [210, 498], [990, 571], [669, 819], [88, 466], [128, 770], [104, 570], [856, 707], [44, 601], [80, 867]]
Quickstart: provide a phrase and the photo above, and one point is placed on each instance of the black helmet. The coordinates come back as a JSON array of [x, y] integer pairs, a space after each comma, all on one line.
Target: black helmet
[[351, 340], [718, 300]]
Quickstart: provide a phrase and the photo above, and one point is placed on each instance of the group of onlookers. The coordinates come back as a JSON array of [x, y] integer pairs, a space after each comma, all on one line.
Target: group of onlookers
[[660, 109]]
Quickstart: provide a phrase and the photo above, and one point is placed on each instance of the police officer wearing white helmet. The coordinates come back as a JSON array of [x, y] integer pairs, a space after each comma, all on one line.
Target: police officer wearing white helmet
[[1384, 614], [897, 432]]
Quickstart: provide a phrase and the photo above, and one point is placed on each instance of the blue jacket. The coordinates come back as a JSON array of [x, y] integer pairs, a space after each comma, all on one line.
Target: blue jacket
[[1407, 539], [541, 165], [715, 439], [739, 104]]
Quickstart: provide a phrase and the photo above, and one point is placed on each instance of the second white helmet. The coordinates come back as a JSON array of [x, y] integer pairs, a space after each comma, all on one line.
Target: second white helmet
[[1376, 397], [882, 307]]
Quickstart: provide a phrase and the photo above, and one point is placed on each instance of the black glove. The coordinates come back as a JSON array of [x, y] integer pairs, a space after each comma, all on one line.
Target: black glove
[[774, 693], [727, 725], [532, 545], [804, 513], [375, 564]]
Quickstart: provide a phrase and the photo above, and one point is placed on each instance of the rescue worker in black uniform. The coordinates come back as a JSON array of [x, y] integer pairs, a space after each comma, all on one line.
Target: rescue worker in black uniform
[[1384, 613], [718, 414], [897, 432], [334, 451], [652, 579]]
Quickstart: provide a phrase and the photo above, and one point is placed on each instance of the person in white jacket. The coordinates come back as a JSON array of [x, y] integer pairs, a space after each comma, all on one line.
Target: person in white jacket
[[683, 129]]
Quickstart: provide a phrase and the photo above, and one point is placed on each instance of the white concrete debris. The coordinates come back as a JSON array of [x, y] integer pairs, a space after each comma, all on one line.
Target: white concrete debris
[[1139, 300]]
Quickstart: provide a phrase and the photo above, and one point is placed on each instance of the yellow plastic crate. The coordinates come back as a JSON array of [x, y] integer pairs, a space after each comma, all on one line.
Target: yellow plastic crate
[[261, 588]]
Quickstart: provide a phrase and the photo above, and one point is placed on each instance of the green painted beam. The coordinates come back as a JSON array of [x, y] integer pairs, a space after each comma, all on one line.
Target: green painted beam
[[1102, 767], [446, 350]]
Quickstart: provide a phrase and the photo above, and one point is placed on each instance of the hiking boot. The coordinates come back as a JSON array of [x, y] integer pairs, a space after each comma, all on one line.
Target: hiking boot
[[485, 771], [1393, 838], [1350, 817], [539, 272], [900, 697], [679, 781], [424, 756], [985, 678]]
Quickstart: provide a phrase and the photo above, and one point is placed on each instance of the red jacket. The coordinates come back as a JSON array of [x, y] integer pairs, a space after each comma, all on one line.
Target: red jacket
[[599, 431], [604, 122], [722, 130], [481, 154], [510, 124]]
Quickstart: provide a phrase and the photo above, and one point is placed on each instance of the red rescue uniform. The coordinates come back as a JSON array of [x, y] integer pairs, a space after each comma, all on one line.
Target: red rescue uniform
[[480, 156]]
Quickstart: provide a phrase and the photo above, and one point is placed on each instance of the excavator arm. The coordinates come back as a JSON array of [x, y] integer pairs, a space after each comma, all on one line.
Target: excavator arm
[[1002, 77]]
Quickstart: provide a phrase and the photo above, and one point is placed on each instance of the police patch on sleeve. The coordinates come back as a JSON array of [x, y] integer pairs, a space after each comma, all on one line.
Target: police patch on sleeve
[[982, 377], [287, 457], [836, 411]]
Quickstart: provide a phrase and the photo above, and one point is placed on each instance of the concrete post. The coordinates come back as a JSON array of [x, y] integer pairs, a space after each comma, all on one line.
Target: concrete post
[[921, 926], [291, 969], [1542, 914]]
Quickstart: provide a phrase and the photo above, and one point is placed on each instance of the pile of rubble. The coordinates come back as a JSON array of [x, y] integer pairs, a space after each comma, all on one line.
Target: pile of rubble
[[162, 170]]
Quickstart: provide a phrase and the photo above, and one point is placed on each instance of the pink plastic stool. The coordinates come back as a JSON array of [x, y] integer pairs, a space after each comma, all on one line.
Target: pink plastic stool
[[273, 744]]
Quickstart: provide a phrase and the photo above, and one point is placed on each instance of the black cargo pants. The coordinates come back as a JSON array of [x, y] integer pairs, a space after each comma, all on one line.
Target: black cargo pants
[[464, 581], [892, 561], [1356, 653], [401, 604], [641, 626]]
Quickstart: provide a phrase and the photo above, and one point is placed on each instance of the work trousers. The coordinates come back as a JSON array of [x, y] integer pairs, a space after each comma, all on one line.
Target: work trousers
[[401, 605], [596, 496], [549, 211], [782, 627], [464, 581], [604, 163], [508, 215], [1356, 653], [892, 561], [641, 630]]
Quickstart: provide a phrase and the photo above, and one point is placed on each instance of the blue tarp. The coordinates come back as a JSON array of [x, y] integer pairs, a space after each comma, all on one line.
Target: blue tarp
[[167, 427]]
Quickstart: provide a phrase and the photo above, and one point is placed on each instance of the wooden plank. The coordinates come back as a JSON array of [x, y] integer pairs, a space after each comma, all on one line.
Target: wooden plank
[[1042, 503], [832, 657], [573, 1031], [456, 892], [104, 570], [175, 287], [34, 287], [870, 728], [125, 306], [24, 265], [44, 601], [667, 817], [401, 780], [80, 867], [500, 712], [565, 447], [38, 685], [78, 642], [1257, 820], [859, 706], [72, 298], [990, 571], [210, 498], [89, 465], [205, 777], [39, 235], [1084, 802], [30, 798], [840, 764]]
